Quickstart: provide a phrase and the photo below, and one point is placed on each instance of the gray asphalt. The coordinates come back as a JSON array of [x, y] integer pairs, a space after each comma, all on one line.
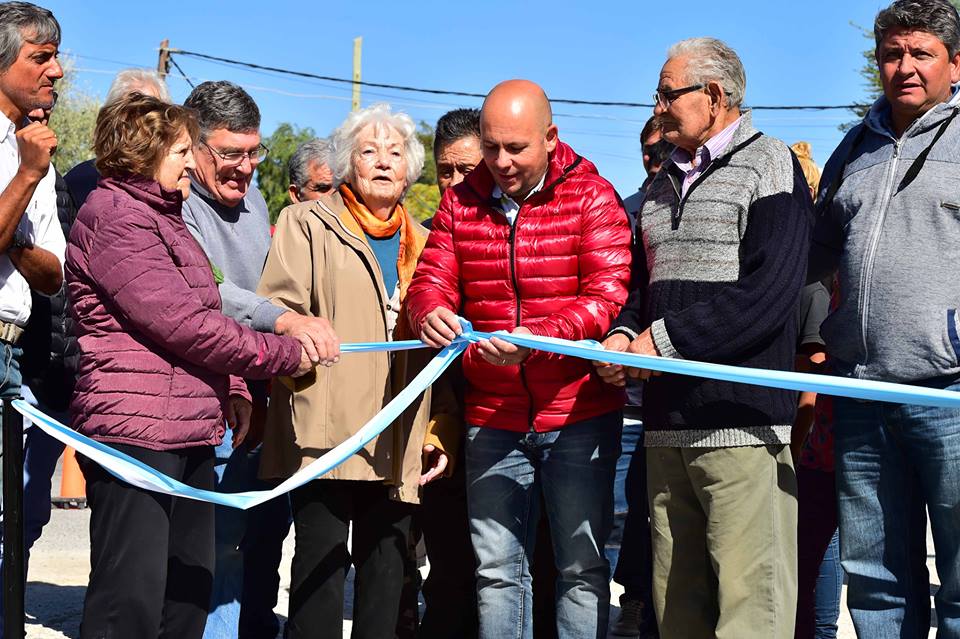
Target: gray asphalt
[[60, 565]]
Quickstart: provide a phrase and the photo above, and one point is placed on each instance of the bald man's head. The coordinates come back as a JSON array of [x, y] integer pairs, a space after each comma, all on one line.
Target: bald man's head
[[517, 136]]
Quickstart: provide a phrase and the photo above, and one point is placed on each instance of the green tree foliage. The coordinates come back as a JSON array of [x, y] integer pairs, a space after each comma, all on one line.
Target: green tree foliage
[[73, 120], [272, 178], [422, 198], [870, 75]]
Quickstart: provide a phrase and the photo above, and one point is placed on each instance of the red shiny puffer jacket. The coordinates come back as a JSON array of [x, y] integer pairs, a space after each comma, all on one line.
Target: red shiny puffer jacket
[[561, 271]]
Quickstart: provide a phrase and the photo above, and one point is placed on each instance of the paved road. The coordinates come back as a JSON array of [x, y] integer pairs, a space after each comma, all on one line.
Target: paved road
[[60, 564]]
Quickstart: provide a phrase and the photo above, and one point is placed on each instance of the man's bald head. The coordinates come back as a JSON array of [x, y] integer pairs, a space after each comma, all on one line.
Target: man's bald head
[[517, 135], [519, 99]]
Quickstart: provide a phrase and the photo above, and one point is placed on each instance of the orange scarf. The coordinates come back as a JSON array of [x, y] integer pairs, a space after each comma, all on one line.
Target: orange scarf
[[361, 221]]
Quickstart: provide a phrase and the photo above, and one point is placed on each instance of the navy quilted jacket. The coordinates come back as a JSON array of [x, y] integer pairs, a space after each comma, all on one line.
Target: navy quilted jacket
[[156, 353]]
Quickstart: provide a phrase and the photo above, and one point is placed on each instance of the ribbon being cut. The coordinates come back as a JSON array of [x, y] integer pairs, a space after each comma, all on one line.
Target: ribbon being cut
[[139, 474]]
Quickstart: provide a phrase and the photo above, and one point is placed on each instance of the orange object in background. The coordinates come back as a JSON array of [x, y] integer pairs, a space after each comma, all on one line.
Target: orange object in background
[[73, 487]]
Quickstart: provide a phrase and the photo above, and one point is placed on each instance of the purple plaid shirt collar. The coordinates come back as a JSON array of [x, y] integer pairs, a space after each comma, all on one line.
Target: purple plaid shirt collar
[[694, 165]]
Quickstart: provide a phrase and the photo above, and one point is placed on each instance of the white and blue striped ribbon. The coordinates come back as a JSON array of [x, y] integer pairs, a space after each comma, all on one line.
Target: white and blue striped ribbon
[[139, 474]]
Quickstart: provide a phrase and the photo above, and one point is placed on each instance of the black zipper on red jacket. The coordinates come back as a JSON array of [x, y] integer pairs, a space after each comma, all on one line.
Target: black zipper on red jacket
[[516, 296]]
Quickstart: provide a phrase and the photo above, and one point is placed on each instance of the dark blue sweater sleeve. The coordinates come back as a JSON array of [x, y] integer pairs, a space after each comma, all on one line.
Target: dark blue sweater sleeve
[[773, 266]]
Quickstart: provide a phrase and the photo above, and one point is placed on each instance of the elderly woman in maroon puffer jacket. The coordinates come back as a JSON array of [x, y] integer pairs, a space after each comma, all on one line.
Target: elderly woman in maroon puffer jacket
[[156, 373]]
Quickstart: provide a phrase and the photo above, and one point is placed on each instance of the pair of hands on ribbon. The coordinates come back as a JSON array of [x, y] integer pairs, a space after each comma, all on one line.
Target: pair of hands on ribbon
[[441, 326], [617, 374], [320, 346]]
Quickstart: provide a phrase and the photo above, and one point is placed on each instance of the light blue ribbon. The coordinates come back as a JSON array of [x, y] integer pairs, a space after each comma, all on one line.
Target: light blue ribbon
[[139, 474]]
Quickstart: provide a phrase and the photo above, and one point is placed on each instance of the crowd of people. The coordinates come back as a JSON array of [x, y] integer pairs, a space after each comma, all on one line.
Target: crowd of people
[[146, 299]]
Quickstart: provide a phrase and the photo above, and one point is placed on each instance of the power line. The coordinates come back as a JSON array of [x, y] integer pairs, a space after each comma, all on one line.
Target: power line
[[174, 63], [466, 94]]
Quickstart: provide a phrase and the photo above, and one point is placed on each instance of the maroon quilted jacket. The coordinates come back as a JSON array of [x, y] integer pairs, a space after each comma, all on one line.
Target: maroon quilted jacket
[[156, 353], [561, 270]]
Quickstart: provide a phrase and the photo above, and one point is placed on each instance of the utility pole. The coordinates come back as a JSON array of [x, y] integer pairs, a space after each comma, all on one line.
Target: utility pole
[[357, 45], [163, 62]]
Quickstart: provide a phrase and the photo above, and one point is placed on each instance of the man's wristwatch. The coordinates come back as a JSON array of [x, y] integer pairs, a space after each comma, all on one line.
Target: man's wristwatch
[[21, 240]]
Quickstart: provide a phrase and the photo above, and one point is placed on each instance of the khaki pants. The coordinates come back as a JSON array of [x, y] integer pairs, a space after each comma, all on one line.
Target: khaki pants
[[724, 526]]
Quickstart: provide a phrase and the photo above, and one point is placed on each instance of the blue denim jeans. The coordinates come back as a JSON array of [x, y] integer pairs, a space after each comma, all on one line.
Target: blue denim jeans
[[573, 469], [826, 597], [248, 548], [894, 460]]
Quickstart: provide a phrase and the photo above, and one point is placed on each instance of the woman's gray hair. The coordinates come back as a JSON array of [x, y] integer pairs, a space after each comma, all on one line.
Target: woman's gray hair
[[344, 141], [130, 80], [24, 22], [711, 60], [315, 150], [936, 17]]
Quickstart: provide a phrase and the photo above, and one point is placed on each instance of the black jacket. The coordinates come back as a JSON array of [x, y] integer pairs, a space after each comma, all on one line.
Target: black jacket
[[50, 349]]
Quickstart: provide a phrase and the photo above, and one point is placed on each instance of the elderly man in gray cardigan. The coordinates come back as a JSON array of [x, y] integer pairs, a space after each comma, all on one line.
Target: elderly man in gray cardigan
[[720, 259]]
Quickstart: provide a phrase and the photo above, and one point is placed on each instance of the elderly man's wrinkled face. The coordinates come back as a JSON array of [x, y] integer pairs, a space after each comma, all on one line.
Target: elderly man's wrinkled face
[[916, 72], [28, 83], [319, 182], [379, 166], [687, 120], [456, 160], [225, 179]]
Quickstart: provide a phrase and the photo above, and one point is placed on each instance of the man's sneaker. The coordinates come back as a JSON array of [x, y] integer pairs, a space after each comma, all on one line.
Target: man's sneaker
[[635, 621]]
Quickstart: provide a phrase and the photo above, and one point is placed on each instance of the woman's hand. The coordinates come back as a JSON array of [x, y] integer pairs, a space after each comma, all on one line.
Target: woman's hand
[[239, 410], [435, 461], [316, 334], [306, 364]]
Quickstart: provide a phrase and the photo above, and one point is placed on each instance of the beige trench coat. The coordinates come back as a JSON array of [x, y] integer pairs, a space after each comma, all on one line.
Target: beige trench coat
[[317, 267]]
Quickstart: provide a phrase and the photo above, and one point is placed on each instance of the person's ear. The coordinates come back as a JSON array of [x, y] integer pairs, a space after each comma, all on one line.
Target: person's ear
[[552, 137], [955, 68], [716, 95], [294, 193]]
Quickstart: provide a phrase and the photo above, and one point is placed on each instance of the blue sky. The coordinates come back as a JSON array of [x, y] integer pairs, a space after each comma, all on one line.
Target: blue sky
[[794, 53]]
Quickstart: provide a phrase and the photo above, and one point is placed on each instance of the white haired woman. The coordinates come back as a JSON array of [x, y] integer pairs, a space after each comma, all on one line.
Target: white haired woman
[[349, 257]]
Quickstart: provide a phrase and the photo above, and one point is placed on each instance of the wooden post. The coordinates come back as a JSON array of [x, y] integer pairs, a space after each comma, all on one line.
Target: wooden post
[[14, 562], [357, 45], [163, 62]]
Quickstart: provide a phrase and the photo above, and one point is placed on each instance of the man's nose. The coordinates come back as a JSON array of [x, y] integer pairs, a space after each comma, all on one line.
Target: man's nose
[[247, 165], [907, 65], [55, 70]]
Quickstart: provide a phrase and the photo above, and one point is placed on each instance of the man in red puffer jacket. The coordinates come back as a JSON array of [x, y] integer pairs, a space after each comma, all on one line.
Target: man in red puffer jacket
[[533, 241]]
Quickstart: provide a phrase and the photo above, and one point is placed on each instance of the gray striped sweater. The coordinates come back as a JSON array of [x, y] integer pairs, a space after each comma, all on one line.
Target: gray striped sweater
[[717, 277]]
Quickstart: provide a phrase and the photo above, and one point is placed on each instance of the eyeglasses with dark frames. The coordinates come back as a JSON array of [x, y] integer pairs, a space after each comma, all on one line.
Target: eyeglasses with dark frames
[[236, 158], [664, 97]]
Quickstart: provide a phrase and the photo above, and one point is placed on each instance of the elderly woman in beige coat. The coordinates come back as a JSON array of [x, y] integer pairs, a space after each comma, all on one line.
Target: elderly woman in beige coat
[[349, 257]]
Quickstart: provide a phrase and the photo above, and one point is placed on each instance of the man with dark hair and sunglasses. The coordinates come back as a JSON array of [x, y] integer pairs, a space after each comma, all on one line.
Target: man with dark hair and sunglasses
[[229, 218]]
